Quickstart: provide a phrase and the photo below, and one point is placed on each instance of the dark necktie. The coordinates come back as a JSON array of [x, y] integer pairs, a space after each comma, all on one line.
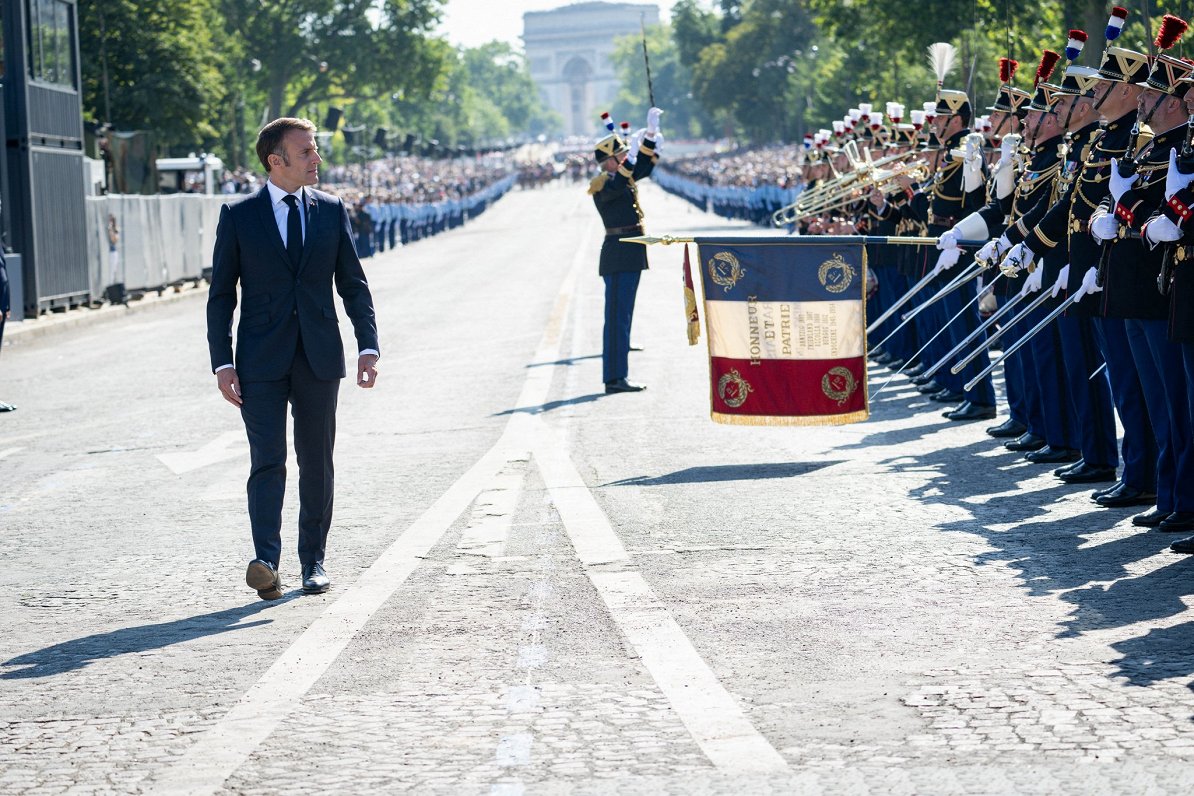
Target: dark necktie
[[294, 231]]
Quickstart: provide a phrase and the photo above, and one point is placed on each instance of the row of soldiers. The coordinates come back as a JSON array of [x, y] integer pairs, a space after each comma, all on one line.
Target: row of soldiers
[[1077, 198]]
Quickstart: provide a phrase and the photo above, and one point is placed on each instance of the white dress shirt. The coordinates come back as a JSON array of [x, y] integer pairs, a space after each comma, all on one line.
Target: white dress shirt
[[282, 217]]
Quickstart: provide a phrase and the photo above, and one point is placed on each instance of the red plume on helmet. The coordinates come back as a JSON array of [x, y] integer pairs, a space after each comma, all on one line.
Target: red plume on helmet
[[1049, 60], [1171, 30], [1007, 69]]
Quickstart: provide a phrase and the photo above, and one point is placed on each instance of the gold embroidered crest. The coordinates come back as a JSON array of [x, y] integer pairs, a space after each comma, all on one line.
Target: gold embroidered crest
[[725, 270], [836, 274], [838, 385], [733, 389]]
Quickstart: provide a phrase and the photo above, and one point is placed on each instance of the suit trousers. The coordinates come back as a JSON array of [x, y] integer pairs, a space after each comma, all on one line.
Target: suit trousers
[[1048, 370], [313, 405], [1091, 397], [620, 291]]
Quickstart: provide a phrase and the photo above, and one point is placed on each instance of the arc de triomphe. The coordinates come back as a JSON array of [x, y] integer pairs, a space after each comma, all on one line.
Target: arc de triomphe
[[569, 54]]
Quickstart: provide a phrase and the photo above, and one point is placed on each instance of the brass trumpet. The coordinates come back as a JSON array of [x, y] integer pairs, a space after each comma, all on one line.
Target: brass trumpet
[[867, 175]]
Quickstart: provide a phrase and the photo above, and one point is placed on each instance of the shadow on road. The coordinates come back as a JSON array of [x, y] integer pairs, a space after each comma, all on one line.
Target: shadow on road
[[727, 472], [569, 361], [78, 653], [550, 405], [1054, 556]]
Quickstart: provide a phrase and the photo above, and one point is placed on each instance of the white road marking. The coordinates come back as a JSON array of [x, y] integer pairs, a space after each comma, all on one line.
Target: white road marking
[[522, 698], [514, 750], [10, 452], [489, 528], [710, 713], [230, 445]]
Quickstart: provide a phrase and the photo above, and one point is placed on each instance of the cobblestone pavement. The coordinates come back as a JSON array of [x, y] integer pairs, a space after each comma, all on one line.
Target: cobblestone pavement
[[542, 589]]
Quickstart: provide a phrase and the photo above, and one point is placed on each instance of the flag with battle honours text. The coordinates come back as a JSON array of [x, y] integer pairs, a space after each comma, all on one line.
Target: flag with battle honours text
[[786, 325]]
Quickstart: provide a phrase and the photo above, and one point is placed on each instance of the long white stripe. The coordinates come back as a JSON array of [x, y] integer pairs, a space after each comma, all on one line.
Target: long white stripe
[[785, 329], [710, 713]]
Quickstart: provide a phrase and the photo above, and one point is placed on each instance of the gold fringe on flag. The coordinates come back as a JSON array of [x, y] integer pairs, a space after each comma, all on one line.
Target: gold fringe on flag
[[690, 302]]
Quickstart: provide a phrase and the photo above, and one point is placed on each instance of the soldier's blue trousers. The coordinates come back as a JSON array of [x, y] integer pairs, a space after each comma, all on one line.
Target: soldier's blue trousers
[[1162, 376], [1091, 397], [1139, 448], [892, 287], [983, 393], [620, 291], [1023, 394], [1061, 427]]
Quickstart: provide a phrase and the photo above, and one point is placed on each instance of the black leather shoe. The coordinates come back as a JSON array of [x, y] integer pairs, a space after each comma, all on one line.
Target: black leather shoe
[[928, 388], [895, 364], [263, 576], [7, 407], [1065, 468], [1107, 490], [1051, 455], [1183, 545], [1008, 429], [1178, 522], [883, 358], [636, 347], [968, 411], [1150, 519], [875, 353], [1026, 442], [315, 580], [1124, 495], [947, 396], [1084, 473], [914, 370], [920, 380], [621, 385]]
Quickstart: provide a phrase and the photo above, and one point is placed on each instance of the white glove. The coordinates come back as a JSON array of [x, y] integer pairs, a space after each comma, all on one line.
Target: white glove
[[948, 240], [1161, 230], [1174, 179], [990, 251], [636, 141], [1033, 283], [1016, 260], [1104, 227], [1120, 185], [972, 169], [947, 259], [1007, 149], [1089, 285], [1062, 280], [653, 120], [658, 138]]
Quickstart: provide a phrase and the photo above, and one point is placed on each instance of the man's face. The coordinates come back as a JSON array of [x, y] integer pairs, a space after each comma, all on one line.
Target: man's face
[[298, 163], [611, 164]]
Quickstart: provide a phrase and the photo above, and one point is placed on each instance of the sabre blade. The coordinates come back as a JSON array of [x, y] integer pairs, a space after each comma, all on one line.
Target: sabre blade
[[1038, 301], [970, 338], [1016, 346]]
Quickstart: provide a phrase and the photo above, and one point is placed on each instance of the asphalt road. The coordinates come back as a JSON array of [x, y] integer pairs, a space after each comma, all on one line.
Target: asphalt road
[[542, 589]]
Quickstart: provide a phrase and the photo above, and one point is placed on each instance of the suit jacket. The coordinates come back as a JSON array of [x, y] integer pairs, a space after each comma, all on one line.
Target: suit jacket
[[5, 298], [280, 302]]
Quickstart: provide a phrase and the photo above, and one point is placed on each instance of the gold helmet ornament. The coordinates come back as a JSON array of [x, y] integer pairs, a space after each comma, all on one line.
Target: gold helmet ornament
[[612, 145]]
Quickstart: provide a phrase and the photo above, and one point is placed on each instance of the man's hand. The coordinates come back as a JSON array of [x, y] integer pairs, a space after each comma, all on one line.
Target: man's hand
[[653, 121], [366, 370], [229, 385], [1120, 185]]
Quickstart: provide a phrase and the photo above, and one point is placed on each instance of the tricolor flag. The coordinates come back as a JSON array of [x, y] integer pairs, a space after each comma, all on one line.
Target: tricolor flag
[[786, 324]]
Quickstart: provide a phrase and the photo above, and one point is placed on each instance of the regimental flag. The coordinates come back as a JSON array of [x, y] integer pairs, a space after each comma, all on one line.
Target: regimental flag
[[786, 323]]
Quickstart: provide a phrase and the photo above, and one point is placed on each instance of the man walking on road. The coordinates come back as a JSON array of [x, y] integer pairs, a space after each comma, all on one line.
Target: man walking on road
[[621, 264], [286, 245]]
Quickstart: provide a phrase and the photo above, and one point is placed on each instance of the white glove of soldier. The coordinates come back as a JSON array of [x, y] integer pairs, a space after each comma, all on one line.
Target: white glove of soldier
[[948, 240], [1019, 258], [636, 141], [1120, 185], [653, 121], [947, 259], [1062, 280], [1174, 179], [1007, 149], [1033, 283], [972, 170], [1104, 227], [1161, 230], [992, 251], [1089, 285]]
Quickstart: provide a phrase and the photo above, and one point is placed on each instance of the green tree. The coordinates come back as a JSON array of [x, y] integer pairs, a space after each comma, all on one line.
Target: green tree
[[152, 66], [500, 78]]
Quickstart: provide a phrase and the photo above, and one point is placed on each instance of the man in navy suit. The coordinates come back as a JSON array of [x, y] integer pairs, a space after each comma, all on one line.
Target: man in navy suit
[[286, 245], [5, 307]]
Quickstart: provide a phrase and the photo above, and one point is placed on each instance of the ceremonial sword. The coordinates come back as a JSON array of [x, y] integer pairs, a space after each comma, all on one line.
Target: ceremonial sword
[[953, 285], [647, 59], [1016, 346], [970, 338], [1041, 299]]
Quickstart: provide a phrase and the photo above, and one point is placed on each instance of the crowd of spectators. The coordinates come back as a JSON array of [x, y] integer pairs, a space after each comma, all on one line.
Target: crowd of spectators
[[748, 184]]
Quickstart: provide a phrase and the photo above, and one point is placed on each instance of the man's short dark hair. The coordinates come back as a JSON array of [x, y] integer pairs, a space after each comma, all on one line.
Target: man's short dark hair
[[269, 140]]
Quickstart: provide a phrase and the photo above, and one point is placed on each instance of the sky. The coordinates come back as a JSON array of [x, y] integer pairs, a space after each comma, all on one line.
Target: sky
[[474, 22]]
